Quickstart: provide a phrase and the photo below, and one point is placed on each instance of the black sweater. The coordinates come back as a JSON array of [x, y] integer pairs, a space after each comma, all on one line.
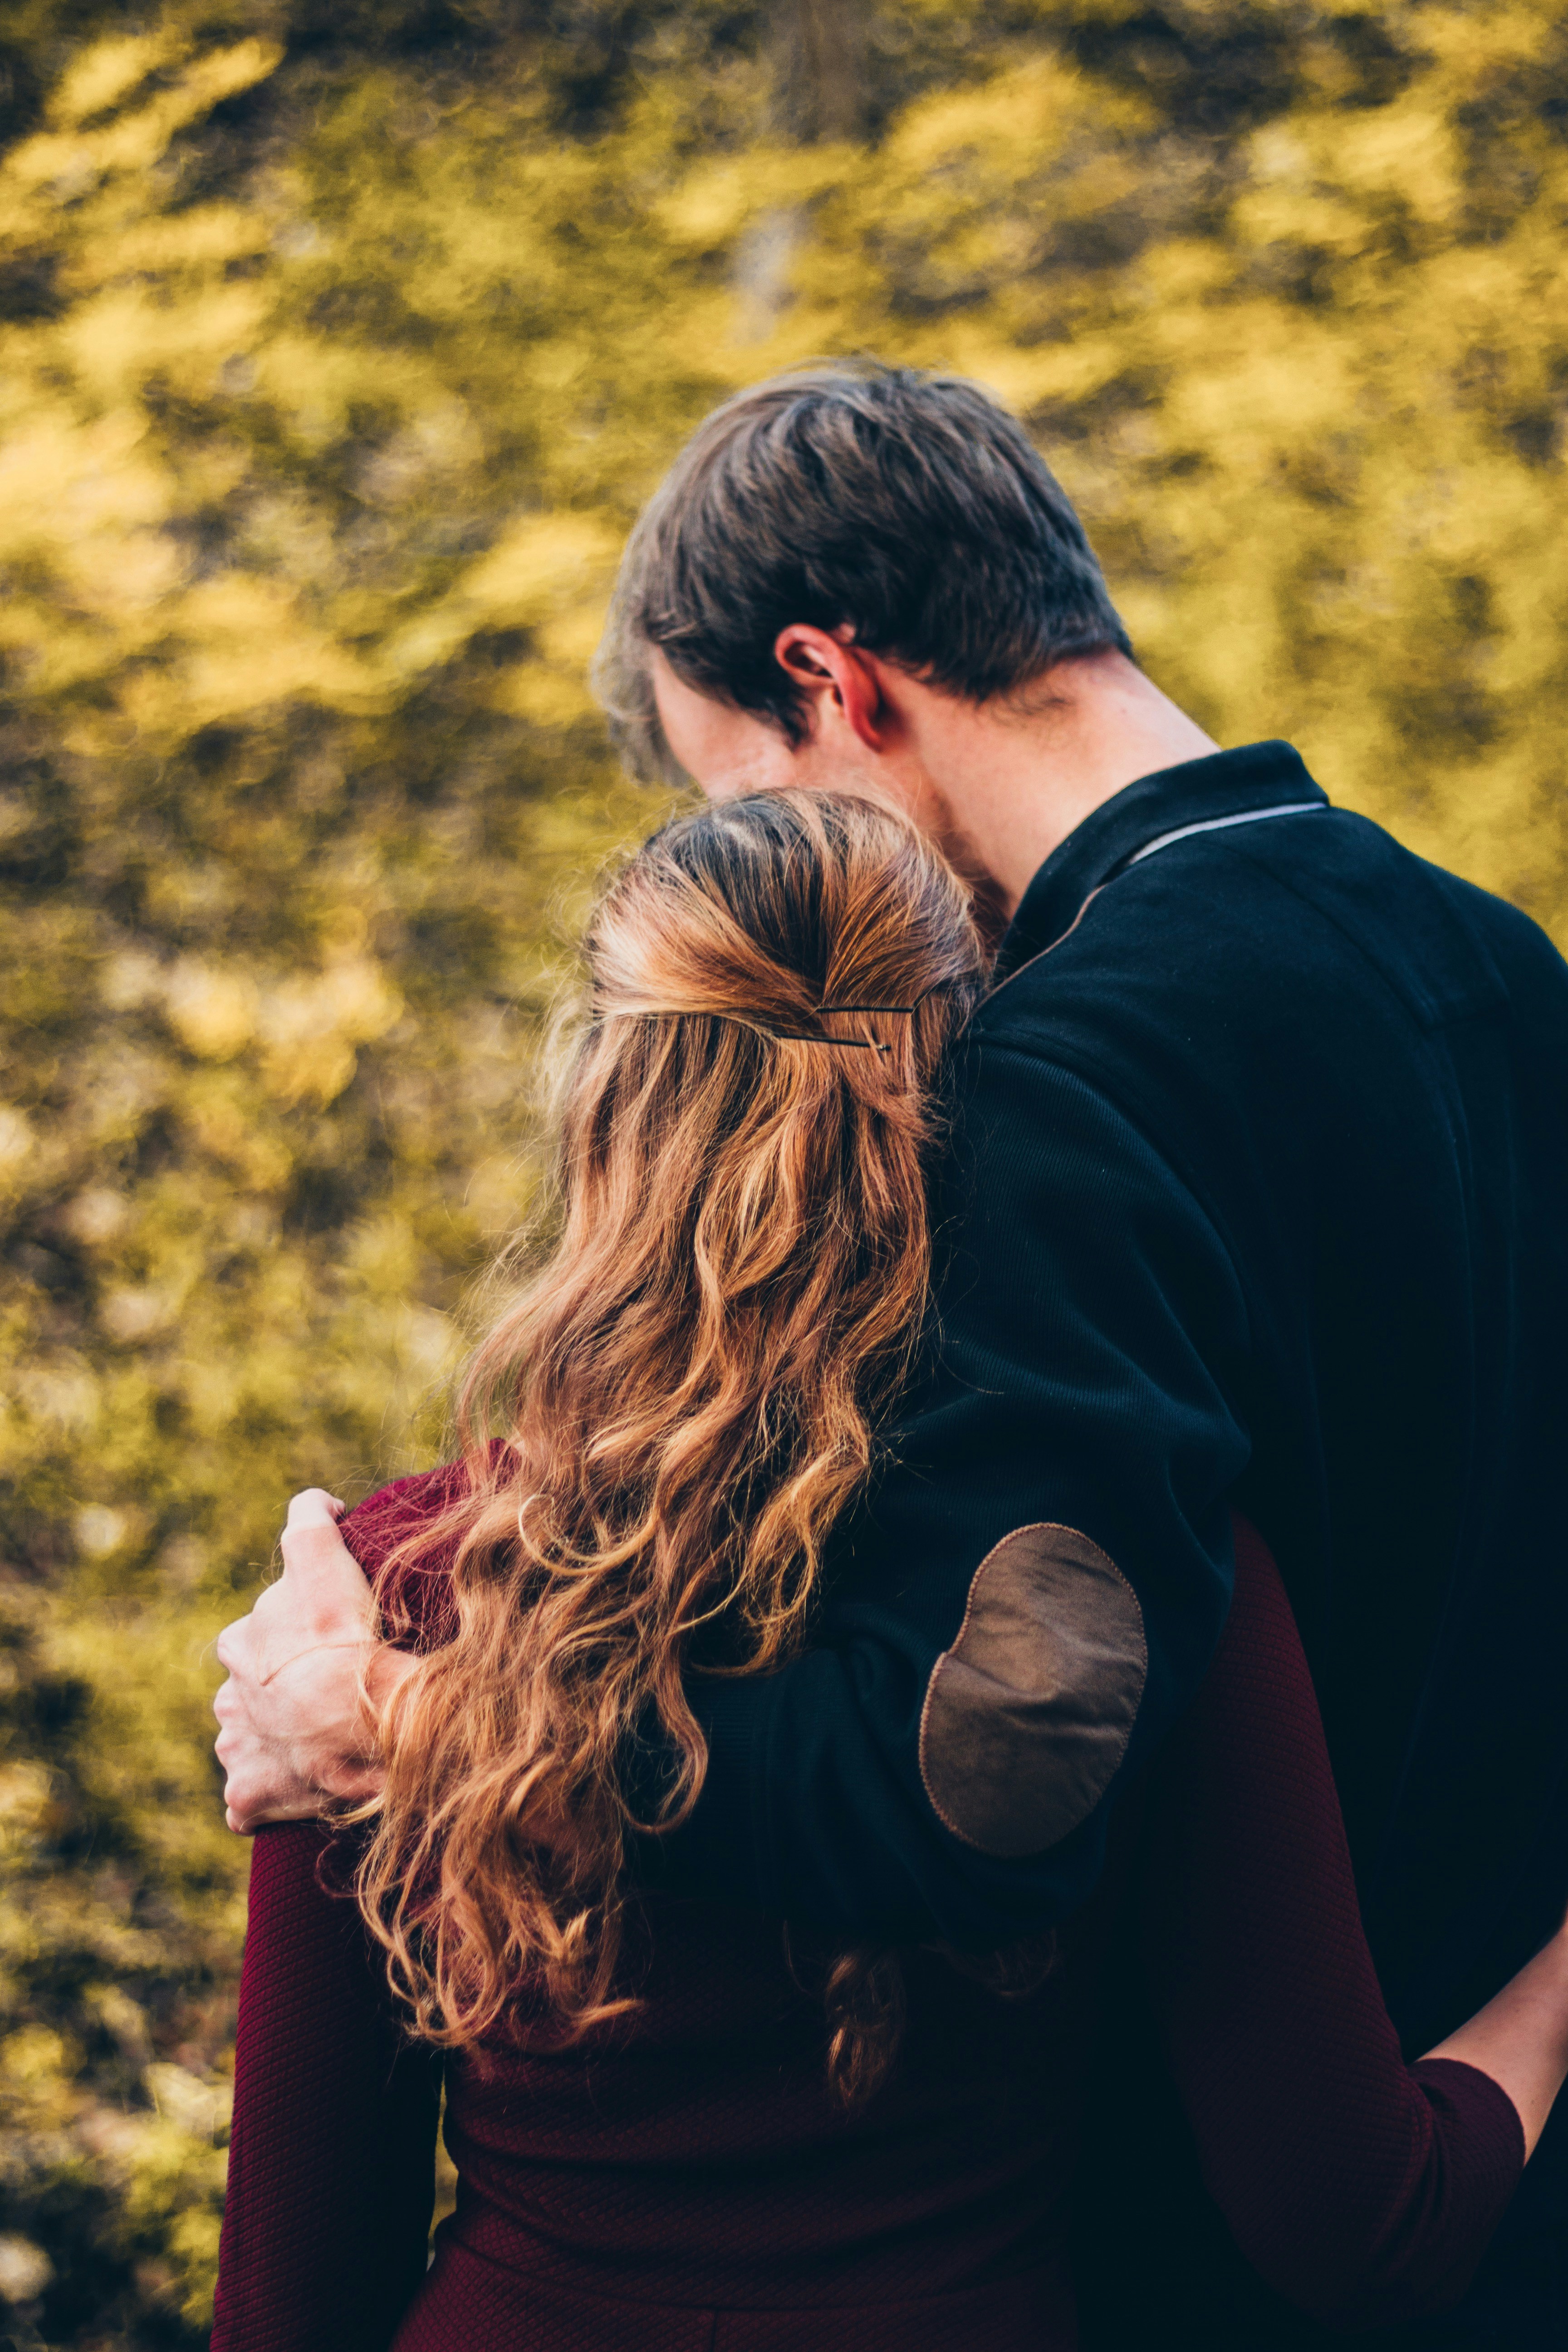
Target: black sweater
[[1258, 1192], [683, 2179]]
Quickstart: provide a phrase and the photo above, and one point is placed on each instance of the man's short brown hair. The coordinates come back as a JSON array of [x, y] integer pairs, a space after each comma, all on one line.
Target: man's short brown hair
[[909, 507]]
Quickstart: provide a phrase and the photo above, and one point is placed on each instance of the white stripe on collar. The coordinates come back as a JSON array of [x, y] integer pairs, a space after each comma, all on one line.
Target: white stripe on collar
[[1161, 841], [1218, 824]]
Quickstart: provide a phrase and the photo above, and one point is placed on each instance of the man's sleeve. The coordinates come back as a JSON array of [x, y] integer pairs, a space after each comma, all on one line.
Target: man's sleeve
[[1029, 1598]]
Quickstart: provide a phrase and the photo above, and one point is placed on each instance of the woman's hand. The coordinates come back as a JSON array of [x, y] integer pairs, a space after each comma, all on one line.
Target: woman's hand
[[295, 1729]]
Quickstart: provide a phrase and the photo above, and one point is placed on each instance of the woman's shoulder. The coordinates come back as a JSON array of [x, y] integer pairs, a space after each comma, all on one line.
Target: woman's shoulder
[[393, 1513], [413, 1582]]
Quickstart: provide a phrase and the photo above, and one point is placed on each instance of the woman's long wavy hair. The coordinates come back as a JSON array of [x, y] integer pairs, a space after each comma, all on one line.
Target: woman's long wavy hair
[[687, 1392]]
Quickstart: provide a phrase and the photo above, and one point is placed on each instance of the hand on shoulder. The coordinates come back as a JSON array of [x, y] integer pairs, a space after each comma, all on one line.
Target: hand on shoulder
[[296, 1729]]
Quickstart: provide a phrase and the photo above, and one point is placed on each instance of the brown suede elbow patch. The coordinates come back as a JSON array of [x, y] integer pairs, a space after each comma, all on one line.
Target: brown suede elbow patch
[[1028, 1714]]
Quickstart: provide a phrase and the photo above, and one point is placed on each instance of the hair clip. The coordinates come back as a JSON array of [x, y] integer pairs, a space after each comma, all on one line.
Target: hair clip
[[906, 1012], [791, 1036], [928, 991]]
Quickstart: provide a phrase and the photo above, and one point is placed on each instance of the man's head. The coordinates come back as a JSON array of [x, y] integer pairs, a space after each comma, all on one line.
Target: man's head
[[818, 532]]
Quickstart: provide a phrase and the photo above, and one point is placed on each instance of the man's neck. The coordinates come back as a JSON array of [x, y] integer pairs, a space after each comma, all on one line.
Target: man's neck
[[1004, 785]]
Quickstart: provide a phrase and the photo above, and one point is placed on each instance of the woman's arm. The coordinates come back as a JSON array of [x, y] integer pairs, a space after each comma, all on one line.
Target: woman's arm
[[330, 2175], [1364, 2191], [331, 2166], [1520, 2038]]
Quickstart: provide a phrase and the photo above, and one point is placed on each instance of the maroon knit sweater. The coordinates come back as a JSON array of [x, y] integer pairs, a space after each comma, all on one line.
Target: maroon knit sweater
[[688, 2185]]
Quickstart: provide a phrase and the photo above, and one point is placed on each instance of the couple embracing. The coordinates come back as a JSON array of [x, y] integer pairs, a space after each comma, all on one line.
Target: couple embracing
[[972, 1753]]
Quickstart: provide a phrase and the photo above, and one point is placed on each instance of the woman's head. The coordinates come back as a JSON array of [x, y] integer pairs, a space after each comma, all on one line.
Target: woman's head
[[743, 1149], [687, 1389]]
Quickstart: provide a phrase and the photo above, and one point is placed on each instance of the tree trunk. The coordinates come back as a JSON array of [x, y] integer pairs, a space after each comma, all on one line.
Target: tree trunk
[[821, 59]]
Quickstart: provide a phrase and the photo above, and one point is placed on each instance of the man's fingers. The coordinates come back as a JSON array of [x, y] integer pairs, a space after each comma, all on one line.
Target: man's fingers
[[314, 1507], [316, 1555], [311, 1544], [290, 1731], [244, 1817], [235, 1644]]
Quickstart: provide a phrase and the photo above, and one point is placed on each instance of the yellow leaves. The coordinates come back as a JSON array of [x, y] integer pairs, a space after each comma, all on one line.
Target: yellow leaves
[[223, 1125], [430, 1345], [25, 1796], [1326, 178], [116, 341], [99, 1530], [137, 574], [60, 1397], [307, 1028], [384, 1257], [1263, 380], [549, 569], [500, 1195], [1181, 271], [310, 1026], [1469, 38], [86, 498], [134, 1313], [16, 1143], [107, 71], [539, 564], [571, 638], [1017, 120], [65, 482], [1401, 153], [715, 201], [84, 490], [313, 380], [226, 72], [167, 2164], [95, 1215], [553, 367], [439, 440], [213, 1013], [33, 2062], [1276, 215], [549, 697], [239, 643], [1054, 372], [710, 204], [200, 2109], [63, 165], [205, 238], [88, 493]]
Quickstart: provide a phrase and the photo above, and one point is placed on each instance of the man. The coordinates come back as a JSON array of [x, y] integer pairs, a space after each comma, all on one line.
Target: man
[[1256, 1197]]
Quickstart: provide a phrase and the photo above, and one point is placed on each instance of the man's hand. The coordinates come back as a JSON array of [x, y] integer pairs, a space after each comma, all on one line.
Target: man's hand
[[295, 1729]]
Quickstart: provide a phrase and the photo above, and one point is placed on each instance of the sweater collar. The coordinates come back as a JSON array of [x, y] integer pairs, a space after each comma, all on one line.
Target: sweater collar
[[1197, 792]]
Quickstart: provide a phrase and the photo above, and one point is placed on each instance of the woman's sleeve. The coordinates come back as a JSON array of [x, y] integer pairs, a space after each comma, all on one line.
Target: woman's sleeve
[[331, 2173], [1362, 2189]]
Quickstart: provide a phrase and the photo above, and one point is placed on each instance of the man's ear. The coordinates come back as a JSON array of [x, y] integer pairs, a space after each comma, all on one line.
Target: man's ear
[[838, 678]]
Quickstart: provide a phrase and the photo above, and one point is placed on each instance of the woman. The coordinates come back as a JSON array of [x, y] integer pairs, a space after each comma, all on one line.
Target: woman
[[680, 2127]]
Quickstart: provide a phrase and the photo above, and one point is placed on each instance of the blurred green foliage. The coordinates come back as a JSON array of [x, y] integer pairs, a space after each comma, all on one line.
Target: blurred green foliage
[[341, 345]]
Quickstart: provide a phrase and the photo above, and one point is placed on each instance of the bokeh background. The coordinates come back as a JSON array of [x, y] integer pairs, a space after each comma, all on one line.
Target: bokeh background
[[341, 340]]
